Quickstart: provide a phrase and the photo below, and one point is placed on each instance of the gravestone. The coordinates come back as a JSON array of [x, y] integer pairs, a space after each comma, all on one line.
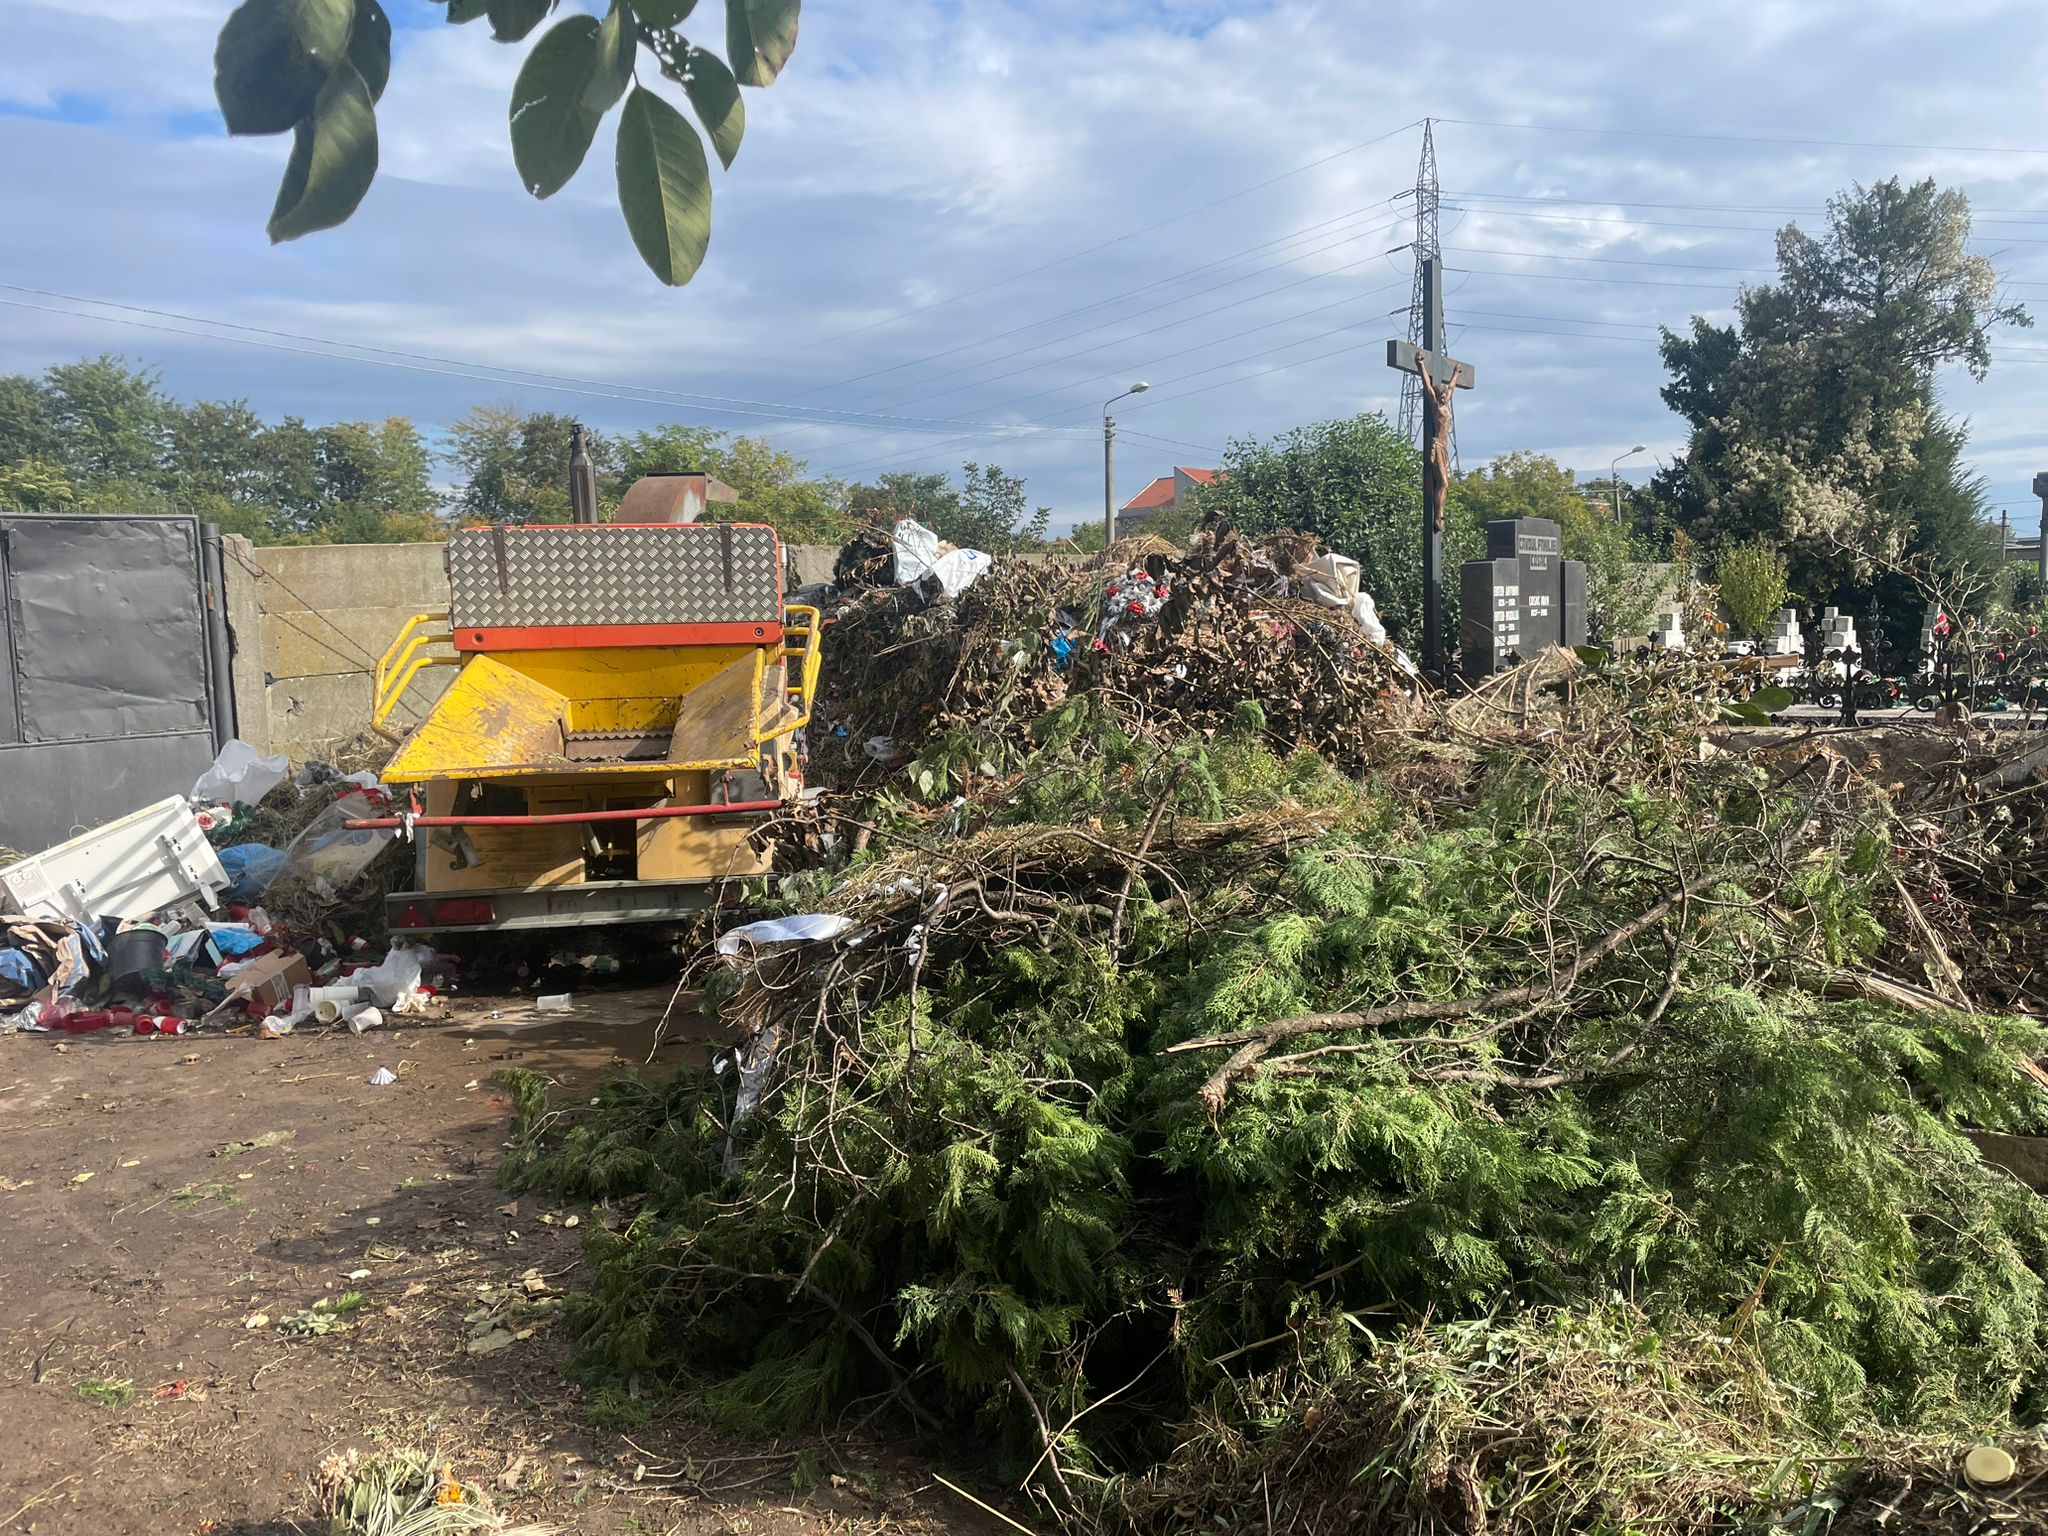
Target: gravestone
[[1523, 598], [1838, 631], [1785, 638]]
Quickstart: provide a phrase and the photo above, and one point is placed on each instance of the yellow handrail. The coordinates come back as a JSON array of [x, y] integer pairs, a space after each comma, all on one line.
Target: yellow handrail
[[810, 626], [405, 658]]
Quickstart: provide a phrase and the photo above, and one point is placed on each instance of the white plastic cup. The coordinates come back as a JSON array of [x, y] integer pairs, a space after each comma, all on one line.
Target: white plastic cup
[[365, 1017]]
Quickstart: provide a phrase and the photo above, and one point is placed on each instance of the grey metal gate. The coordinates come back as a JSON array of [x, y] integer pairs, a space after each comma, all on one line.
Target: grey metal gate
[[114, 634]]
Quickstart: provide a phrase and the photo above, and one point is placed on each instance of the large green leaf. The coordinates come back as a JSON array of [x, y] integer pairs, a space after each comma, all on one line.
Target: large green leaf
[[334, 159], [511, 20], [716, 97], [664, 187], [617, 37], [1772, 700], [460, 11], [369, 46], [657, 14], [274, 56], [760, 35], [551, 126]]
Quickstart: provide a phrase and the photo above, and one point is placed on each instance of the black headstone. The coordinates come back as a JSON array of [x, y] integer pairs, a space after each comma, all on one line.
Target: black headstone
[[1520, 600], [1574, 615], [1489, 615]]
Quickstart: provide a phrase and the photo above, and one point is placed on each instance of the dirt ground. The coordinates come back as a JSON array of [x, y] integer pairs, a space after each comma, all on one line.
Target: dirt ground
[[167, 1205]]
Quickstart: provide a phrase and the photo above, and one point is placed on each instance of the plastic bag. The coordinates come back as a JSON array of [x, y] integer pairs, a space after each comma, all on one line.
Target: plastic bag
[[395, 984], [919, 554], [784, 930], [1366, 613], [1331, 580], [328, 849], [917, 551], [241, 775], [251, 867], [959, 569]]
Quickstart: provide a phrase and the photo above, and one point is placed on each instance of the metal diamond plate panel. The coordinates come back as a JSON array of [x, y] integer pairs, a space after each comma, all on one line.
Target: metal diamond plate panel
[[684, 573]]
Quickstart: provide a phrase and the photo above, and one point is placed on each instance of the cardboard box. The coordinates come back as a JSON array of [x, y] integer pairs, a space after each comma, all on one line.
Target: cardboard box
[[270, 979]]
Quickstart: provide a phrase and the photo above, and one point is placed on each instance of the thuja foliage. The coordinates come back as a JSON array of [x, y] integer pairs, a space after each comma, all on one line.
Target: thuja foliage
[[1151, 1093]]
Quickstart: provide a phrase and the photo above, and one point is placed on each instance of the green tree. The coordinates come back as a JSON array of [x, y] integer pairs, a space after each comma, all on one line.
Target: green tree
[[994, 514], [316, 69], [515, 465], [988, 510], [1621, 585], [349, 482], [1813, 415], [775, 487], [927, 498], [1358, 483], [27, 434], [36, 485], [1752, 578], [216, 454], [110, 422]]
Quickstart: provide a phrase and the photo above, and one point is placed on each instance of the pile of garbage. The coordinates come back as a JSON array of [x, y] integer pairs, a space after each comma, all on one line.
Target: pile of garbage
[[920, 648], [220, 909]]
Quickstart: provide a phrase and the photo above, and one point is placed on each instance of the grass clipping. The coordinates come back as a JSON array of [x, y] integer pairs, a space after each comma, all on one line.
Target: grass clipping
[[1177, 1121]]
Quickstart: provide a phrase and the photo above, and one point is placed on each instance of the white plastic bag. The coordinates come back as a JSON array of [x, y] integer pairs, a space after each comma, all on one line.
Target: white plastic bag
[[917, 550], [918, 555], [960, 569], [1330, 580], [395, 984], [1366, 614], [241, 775], [784, 930]]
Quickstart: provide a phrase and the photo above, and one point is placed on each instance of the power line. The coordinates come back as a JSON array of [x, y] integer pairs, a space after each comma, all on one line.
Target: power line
[[659, 396], [1363, 213], [1620, 261], [1166, 357], [1617, 202], [1573, 277], [1201, 314], [1624, 220], [482, 373], [1742, 138], [1138, 315], [1058, 261], [1165, 385]]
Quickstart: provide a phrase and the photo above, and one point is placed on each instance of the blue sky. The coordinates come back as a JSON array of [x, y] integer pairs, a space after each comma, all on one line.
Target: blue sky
[[957, 226]]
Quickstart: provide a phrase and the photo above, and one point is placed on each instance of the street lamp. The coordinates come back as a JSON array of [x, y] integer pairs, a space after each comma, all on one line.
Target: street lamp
[[1109, 463], [1614, 479]]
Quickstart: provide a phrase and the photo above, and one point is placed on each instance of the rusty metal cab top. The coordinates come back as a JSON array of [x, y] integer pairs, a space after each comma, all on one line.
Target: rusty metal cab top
[[628, 704]]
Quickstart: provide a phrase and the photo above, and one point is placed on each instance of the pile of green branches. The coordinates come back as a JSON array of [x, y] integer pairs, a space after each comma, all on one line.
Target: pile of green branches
[[1152, 1094]]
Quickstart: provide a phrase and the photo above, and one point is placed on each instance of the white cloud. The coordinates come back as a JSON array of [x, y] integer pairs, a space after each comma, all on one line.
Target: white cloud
[[924, 150]]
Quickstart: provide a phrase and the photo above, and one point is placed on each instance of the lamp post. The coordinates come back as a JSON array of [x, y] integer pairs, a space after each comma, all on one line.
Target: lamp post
[[1109, 463], [1614, 479]]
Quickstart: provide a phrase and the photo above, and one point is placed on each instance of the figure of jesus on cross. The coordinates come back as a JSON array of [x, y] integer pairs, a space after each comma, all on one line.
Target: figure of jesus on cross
[[1440, 376]]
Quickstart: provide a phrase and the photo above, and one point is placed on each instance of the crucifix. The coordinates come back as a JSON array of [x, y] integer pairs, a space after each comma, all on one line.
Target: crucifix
[[1441, 375]]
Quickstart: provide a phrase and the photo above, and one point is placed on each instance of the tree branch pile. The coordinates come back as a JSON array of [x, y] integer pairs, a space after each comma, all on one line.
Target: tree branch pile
[[1224, 622], [1153, 1094]]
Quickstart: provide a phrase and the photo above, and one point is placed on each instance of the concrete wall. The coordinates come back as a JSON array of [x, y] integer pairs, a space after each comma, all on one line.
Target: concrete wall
[[309, 624]]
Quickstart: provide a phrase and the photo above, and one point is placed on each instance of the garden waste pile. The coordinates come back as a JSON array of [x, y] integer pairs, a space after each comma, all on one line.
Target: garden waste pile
[[1223, 1090]]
